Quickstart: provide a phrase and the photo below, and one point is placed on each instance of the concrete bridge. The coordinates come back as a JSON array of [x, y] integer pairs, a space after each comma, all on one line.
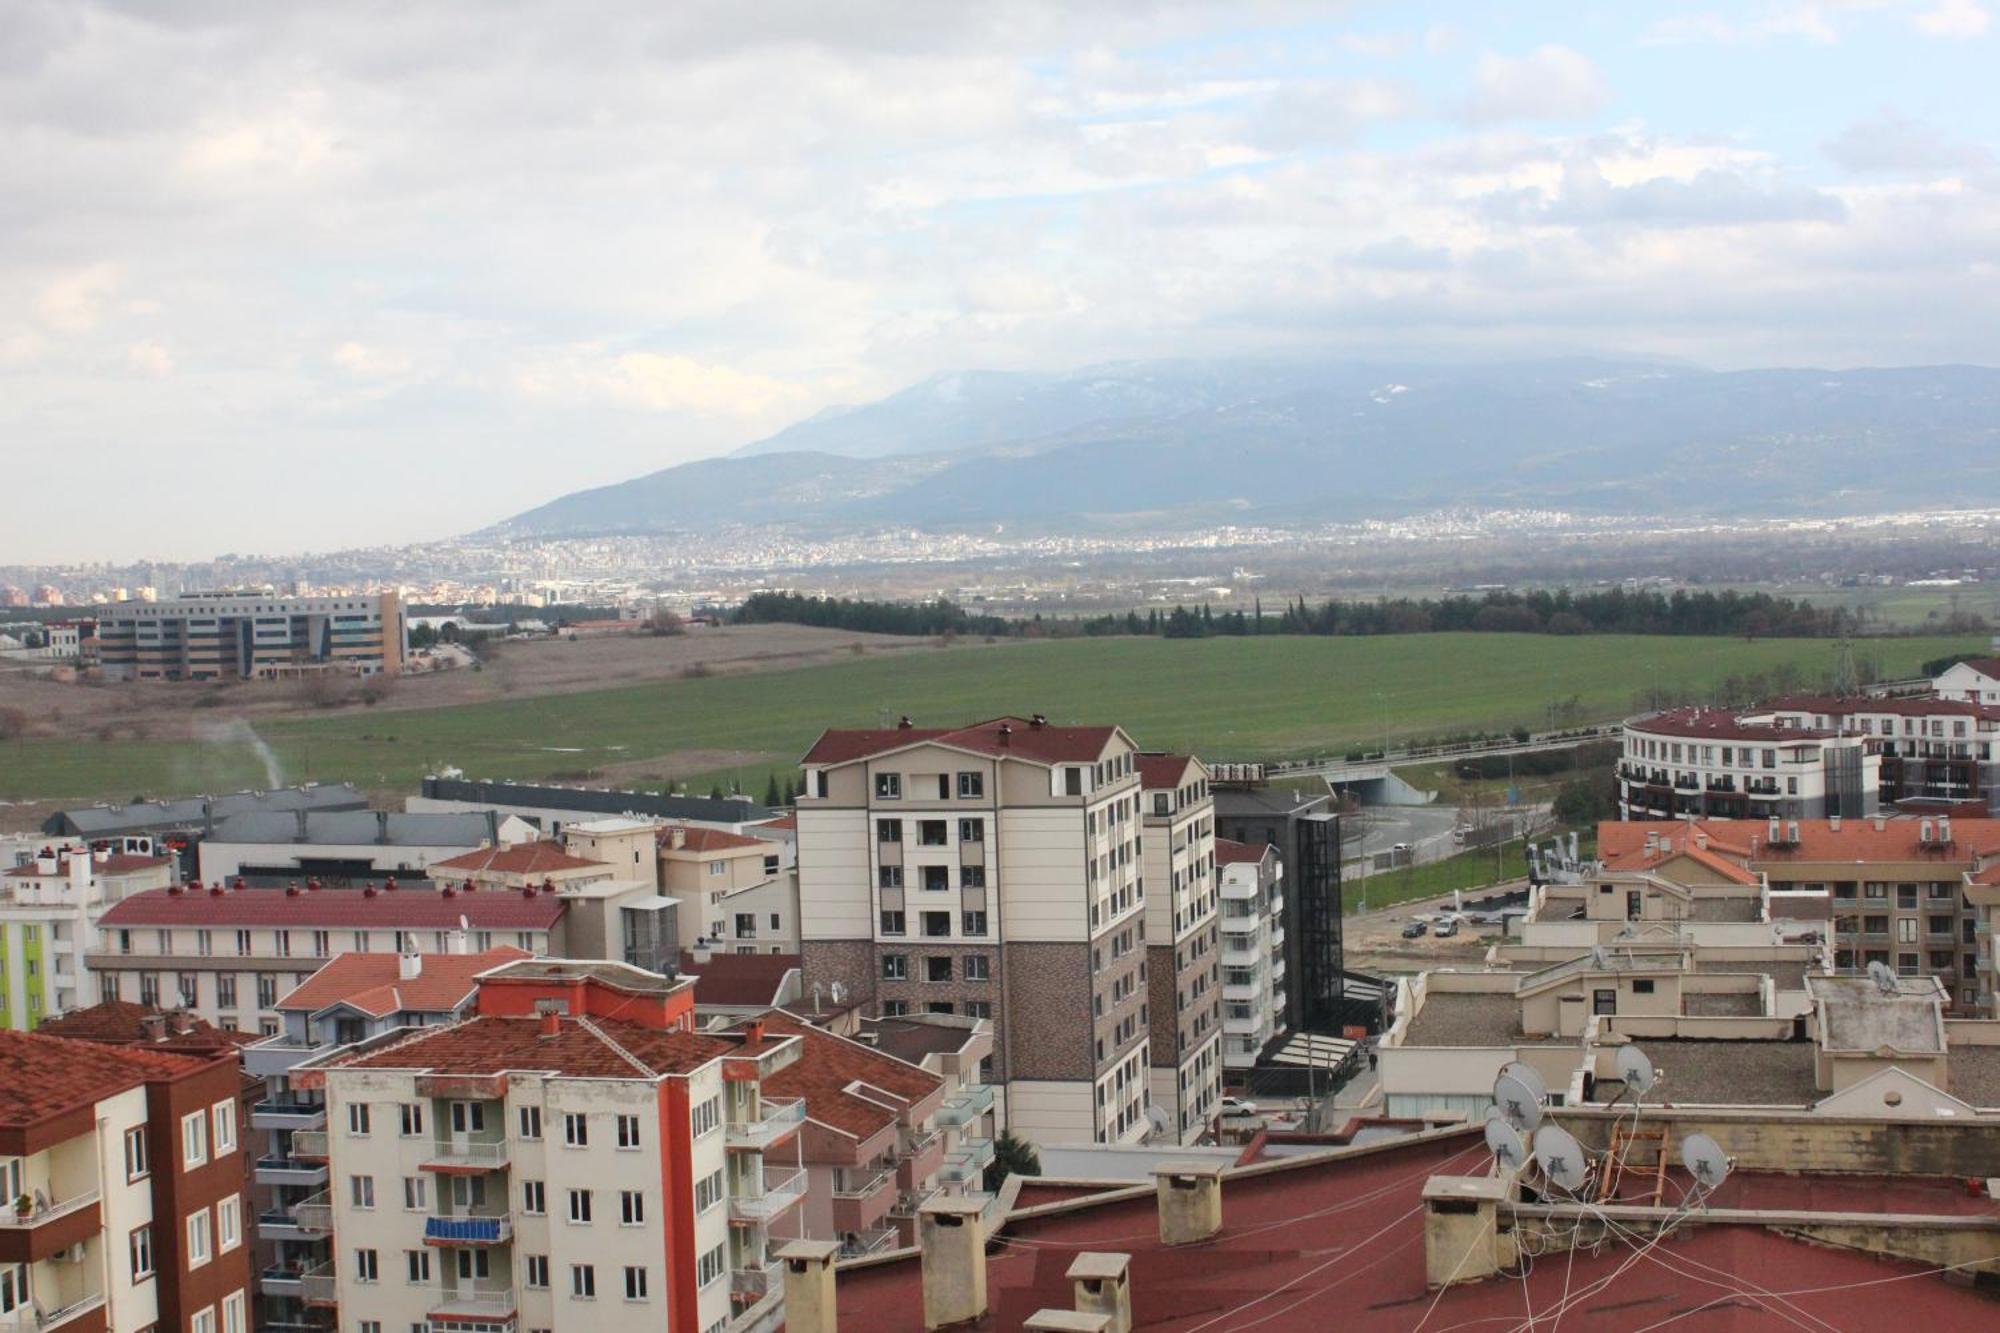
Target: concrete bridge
[[1372, 780]]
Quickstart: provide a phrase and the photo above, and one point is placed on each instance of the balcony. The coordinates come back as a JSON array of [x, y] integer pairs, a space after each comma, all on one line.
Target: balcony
[[318, 1286], [778, 1190], [864, 1243], [1248, 956], [1277, 935], [1247, 992], [920, 1156], [964, 1106], [747, 1286], [279, 1280], [1259, 1027], [289, 1171], [282, 1114], [780, 1118], [40, 1232], [494, 1230], [1277, 967], [968, 1162], [910, 1202], [476, 1302], [465, 1157], [310, 1144], [63, 1316], [276, 1055], [861, 1199]]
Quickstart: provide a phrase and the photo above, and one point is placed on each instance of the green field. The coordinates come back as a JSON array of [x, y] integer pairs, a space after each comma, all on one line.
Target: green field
[[1225, 698]]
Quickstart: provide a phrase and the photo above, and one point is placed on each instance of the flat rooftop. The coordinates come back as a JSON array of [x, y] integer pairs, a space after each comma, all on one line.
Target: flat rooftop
[[1860, 1016], [1786, 976], [1722, 1004], [1450, 1019], [1726, 1073], [1723, 909], [1974, 1074]]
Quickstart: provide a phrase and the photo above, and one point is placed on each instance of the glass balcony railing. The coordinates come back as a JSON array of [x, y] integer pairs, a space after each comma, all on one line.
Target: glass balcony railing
[[964, 1106], [777, 1118], [315, 1213], [966, 1162], [749, 1285], [862, 1243], [780, 1189], [467, 1230]]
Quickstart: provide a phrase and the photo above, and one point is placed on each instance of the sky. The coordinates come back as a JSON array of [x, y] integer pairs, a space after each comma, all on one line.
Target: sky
[[277, 278]]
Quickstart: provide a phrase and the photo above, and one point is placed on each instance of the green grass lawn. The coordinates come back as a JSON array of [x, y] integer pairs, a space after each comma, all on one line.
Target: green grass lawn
[[1468, 870], [1224, 698]]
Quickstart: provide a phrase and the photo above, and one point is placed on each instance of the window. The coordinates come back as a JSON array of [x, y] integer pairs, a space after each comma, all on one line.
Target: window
[[938, 1007], [717, 868], [889, 877], [532, 1198], [980, 1009], [361, 1191], [628, 1131], [937, 925], [892, 923], [141, 1245], [194, 1140], [576, 1129], [635, 1283], [709, 1267], [203, 1320], [1072, 781], [149, 989], [1642, 986], [888, 786], [225, 989], [468, 1117], [419, 1262], [232, 1313], [931, 833], [228, 1223], [972, 923], [937, 878], [358, 1119], [531, 1122], [976, 967], [135, 1153], [707, 1116], [631, 1208], [583, 1281], [1604, 1001], [198, 1237], [1906, 930], [971, 786], [365, 1269], [412, 1117], [972, 830], [937, 968], [224, 1116], [538, 1272], [708, 1192], [888, 830], [416, 1194], [579, 1207], [746, 925]]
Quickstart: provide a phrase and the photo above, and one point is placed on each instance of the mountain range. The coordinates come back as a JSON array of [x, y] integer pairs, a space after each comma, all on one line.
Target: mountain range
[[1151, 444]]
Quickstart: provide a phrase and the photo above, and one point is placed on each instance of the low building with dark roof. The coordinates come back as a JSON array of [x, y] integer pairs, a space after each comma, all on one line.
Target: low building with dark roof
[[197, 815], [553, 807]]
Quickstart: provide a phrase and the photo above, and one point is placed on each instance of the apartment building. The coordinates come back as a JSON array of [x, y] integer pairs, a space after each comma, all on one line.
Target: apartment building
[[354, 997], [129, 1164], [228, 954], [1897, 890], [1936, 753], [339, 847], [249, 636], [1302, 821], [992, 871], [739, 891], [1183, 944], [1721, 763], [1250, 881], [572, 1156], [48, 913]]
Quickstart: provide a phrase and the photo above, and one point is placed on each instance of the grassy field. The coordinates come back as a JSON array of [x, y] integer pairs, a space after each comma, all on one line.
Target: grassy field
[[1468, 870], [1225, 698]]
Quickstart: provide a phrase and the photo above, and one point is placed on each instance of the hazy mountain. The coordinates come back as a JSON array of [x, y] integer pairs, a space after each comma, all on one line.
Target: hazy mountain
[[1298, 443]]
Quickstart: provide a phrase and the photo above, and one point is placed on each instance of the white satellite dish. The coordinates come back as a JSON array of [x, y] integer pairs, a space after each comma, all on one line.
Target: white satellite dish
[[1529, 1075], [1634, 1068], [1704, 1159], [839, 992], [1883, 977], [1157, 1118], [1561, 1157], [1509, 1152], [463, 924], [1519, 1106]]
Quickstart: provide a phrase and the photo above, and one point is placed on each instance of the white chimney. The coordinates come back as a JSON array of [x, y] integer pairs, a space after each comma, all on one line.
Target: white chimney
[[809, 1291], [952, 1236], [1190, 1200], [1103, 1288], [677, 837], [701, 951], [1833, 823], [409, 966]]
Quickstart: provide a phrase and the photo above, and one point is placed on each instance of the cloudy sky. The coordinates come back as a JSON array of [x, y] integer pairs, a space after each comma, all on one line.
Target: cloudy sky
[[282, 277]]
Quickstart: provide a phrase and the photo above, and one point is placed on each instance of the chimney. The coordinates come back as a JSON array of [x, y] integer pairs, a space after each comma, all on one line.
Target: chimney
[[1833, 823], [1462, 1237], [1103, 1288], [951, 1233], [154, 1026], [1881, 822], [904, 723], [1006, 733], [1652, 843], [1190, 1198], [1067, 1321], [301, 820], [1777, 833], [701, 951], [677, 837], [382, 827], [551, 1025], [182, 1021], [409, 966], [1700, 840], [809, 1292]]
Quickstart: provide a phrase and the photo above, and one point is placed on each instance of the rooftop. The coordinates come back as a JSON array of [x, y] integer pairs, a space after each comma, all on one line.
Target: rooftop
[[1159, 771], [1857, 1015], [1450, 1018], [912, 1038], [1230, 852], [1727, 1073], [193, 811], [122, 1023], [847, 1086], [1722, 1004], [1015, 736], [1784, 975], [594, 1048], [523, 858], [697, 839], [1853, 842], [1723, 724], [373, 982], [1974, 1074], [354, 828], [1709, 908], [43, 1076], [738, 980], [594, 800], [416, 909]]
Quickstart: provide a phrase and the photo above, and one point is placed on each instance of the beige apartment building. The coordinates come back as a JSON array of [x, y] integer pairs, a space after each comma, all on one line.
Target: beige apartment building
[[1183, 943], [992, 871]]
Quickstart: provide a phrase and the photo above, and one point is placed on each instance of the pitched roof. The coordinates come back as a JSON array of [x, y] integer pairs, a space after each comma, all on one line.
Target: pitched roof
[[413, 909], [834, 1075], [1229, 852], [372, 982], [1985, 666], [705, 839], [148, 816], [1011, 736], [1855, 841], [43, 1076], [781, 822], [1677, 845], [1163, 772], [738, 980], [1723, 724], [601, 1048], [523, 858], [121, 1022]]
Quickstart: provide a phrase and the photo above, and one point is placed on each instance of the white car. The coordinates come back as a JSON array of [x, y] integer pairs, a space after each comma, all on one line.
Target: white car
[[1237, 1106]]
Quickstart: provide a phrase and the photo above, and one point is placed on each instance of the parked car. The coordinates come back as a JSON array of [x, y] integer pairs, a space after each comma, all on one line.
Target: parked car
[[1400, 849], [1446, 928], [1415, 929], [1238, 1106]]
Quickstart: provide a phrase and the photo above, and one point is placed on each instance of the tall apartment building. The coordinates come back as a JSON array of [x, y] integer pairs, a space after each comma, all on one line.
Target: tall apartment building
[[1183, 943], [1303, 823], [573, 1156], [48, 913], [1719, 763], [252, 635], [1251, 880], [992, 870], [130, 1162]]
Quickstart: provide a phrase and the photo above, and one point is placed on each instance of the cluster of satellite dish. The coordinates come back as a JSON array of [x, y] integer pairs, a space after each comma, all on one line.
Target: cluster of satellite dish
[[1516, 1135]]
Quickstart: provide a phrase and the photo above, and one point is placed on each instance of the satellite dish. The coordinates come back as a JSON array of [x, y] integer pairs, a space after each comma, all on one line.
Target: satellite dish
[[1634, 1068], [1529, 1076], [1157, 1118], [839, 992], [1561, 1157], [1519, 1106], [463, 924], [1508, 1150], [1704, 1159], [1884, 978]]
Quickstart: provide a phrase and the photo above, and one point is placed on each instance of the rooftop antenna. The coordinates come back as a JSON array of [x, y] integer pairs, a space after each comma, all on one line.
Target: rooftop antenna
[[1561, 1157], [1704, 1159], [1504, 1141]]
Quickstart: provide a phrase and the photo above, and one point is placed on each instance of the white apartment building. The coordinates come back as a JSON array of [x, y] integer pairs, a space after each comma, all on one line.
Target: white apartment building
[[48, 911], [1253, 949], [992, 871], [1721, 763], [1183, 943]]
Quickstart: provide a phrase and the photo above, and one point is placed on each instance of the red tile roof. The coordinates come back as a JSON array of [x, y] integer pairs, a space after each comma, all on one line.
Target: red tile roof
[[414, 909], [705, 839], [738, 980], [1850, 705], [42, 1076], [1856, 841], [1163, 772], [827, 1072], [1228, 851], [1044, 744], [1985, 666], [782, 821], [121, 1022], [372, 982], [1674, 845], [523, 858], [1722, 724], [494, 1044]]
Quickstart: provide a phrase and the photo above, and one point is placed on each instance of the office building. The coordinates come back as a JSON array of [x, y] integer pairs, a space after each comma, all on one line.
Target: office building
[[252, 636]]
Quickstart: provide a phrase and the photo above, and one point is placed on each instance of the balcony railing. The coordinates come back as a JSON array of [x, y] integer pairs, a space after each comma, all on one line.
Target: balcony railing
[[460, 1155], [318, 1285], [780, 1117], [908, 1204], [315, 1213], [964, 1106], [468, 1230], [1245, 957], [309, 1143], [868, 1242], [861, 1184], [290, 1171], [478, 1301], [967, 1161], [753, 1284], [281, 1114], [915, 1143], [780, 1189], [27, 1317], [44, 1214]]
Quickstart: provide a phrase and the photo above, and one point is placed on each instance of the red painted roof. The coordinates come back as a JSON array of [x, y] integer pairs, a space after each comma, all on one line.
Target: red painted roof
[[42, 1076], [1834, 705], [1228, 852], [524, 858], [782, 821], [827, 1070], [1339, 1244], [372, 982], [704, 839], [495, 1044], [1044, 744], [413, 909], [1722, 724], [738, 980], [121, 1022], [1675, 844], [125, 863], [1985, 666], [1857, 840], [1163, 772]]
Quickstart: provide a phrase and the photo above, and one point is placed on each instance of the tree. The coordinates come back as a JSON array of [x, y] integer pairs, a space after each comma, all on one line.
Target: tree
[[1581, 803], [715, 791], [1011, 1157], [665, 623], [423, 636], [773, 798]]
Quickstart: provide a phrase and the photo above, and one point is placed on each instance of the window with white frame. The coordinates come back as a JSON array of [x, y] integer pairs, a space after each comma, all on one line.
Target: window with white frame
[[141, 1246], [199, 1251], [708, 1192], [136, 1163], [576, 1129], [224, 1116], [635, 1283], [533, 1197], [234, 1318], [361, 1191], [631, 1208], [579, 1207], [583, 1281], [536, 1275], [628, 1131], [418, 1263], [416, 1194], [709, 1267], [194, 1139], [358, 1119], [531, 1122], [366, 1268], [228, 1223], [203, 1320], [707, 1115], [412, 1117]]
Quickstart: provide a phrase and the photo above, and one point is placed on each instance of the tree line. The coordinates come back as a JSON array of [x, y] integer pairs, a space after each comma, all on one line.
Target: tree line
[[1562, 611]]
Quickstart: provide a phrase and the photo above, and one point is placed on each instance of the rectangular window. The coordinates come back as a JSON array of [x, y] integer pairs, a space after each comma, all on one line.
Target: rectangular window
[[973, 923], [135, 1153], [937, 968], [198, 1237], [233, 1313], [361, 1191], [228, 1223], [358, 1119], [984, 1009], [411, 1116], [365, 1267], [895, 967], [537, 1275], [971, 786], [225, 989], [937, 878], [888, 830], [746, 925], [468, 1117], [628, 1131], [416, 1194], [322, 943], [533, 1199], [203, 1320], [931, 833], [635, 1283], [888, 786], [706, 1117], [224, 1116], [579, 1207], [976, 967], [889, 877], [419, 1264], [141, 1246], [972, 877], [937, 925], [631, 1208], [709, 1267], [708, 1192], [194, 1140], [583, 1282], [531, 1122], [576, 1129]]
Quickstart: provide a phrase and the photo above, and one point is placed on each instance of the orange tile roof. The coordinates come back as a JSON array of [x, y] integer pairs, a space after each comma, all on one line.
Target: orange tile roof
[[372, 982], [1674, 846], [494, 1044], [1163, 772], [43, 1076], [523, 858], [1857, 841], [121, 1022], [827, 1070], [705, 839], [1228, 851], [1045, 743], [781, 822]]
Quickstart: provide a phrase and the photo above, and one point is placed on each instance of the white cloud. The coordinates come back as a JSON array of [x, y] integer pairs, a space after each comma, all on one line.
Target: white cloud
[[659, 382], [1551, 83], [74, 302], [150, 359], [372, 363], [1955, 18]]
